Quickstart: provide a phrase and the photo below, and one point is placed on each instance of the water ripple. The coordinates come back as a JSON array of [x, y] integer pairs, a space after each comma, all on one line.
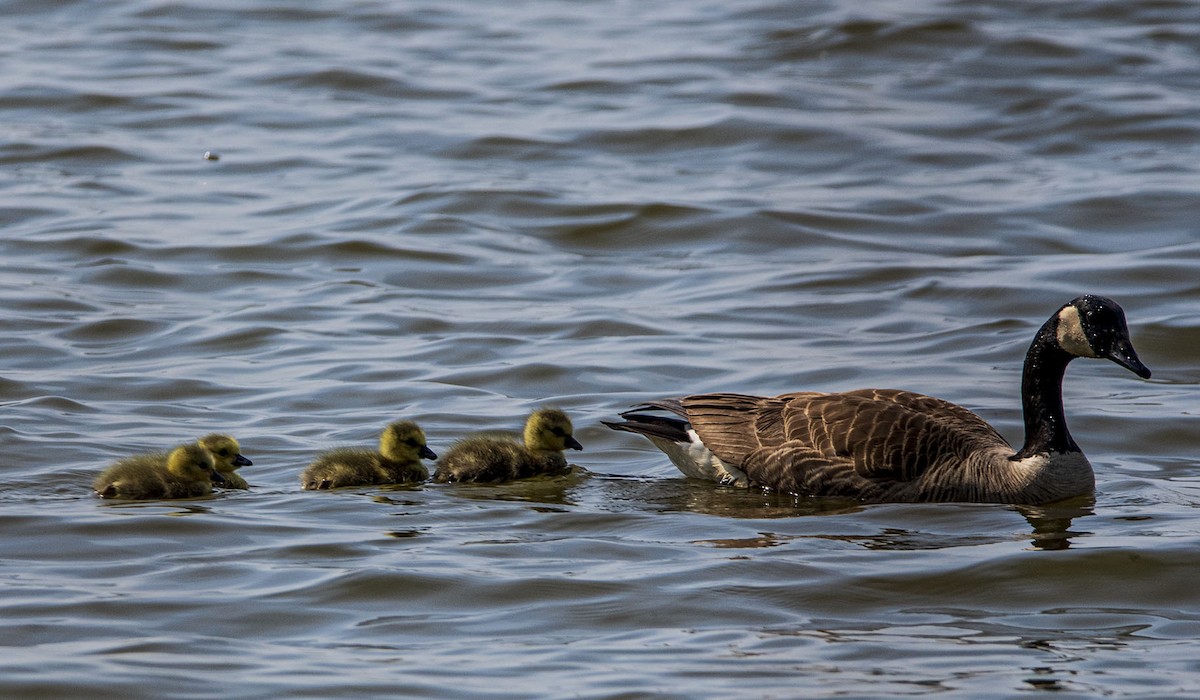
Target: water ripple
[[456, 212]]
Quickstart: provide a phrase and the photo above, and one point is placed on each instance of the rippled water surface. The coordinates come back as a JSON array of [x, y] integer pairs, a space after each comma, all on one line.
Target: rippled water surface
[[456, 211]]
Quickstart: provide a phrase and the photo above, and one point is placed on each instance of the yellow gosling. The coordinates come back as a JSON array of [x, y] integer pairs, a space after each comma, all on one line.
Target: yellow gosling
[[227, 454], [501, 458], [185, 472], [398, 461]]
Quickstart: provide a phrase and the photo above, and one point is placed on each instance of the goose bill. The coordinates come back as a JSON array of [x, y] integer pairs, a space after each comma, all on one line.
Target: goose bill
[[1123, 354]]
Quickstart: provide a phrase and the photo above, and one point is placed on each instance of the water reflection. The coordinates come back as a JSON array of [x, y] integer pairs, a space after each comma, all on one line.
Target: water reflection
[[673, 495], [1051, 684], [545, 490], [393, 501], [764, 539], [1052, 523], [904, 539], [406, 534], [172, 507], [883, 527]]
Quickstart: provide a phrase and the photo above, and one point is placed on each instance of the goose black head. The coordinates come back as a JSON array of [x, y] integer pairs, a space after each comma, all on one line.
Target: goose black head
[[1094, 326]]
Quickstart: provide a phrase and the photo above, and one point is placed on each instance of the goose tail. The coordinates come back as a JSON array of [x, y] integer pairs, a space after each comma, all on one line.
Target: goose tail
[[677, 440], [662, 427]]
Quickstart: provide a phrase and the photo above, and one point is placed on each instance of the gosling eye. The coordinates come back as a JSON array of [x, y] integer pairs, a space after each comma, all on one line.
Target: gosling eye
[[558, 432], [412, 442]]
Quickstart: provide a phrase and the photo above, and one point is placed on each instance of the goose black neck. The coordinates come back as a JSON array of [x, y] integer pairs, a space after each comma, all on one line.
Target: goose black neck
[[1041, 396]]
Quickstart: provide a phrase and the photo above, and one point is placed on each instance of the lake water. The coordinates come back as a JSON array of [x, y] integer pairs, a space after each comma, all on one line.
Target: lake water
[[457, 211]]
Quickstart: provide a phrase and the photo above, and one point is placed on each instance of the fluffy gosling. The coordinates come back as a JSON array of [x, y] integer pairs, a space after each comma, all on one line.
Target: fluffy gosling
[[398, 461], [227, 454], [185, 472], [501, 458]]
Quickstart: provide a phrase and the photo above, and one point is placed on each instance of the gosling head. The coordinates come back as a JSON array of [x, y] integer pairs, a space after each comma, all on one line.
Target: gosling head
[[226, 452], [549, 429], [1093, 326], [193, 463], [404, 441]]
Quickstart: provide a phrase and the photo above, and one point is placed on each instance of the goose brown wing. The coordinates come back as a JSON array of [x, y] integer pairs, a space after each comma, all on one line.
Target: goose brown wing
[[879, 435], [886, 434], [946, 413], [795, 467], [735, 425]]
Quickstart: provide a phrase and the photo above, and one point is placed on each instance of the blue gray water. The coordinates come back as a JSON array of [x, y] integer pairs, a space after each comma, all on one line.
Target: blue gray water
[[456, 211]]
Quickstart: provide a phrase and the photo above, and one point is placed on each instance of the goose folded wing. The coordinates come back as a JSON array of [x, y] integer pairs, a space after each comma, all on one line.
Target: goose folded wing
[[886, 434], [735, 425]]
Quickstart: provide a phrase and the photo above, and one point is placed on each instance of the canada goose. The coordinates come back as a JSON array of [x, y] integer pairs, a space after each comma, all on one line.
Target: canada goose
[[185, 472], [494, 457], [885, 445], [398, 461], [227, 454]]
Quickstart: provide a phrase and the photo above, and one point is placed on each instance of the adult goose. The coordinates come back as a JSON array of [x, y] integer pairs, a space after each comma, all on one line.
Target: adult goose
[[884, 445]]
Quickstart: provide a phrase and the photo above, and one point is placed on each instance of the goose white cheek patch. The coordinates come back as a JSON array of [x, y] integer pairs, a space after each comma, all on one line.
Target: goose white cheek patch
[[1070, 333]]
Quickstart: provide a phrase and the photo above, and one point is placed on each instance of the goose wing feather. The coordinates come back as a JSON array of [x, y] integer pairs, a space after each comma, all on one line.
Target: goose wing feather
[[858, 437], [734, 425]]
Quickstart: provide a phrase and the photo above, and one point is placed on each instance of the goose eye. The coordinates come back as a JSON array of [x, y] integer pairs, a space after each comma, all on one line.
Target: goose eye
[[558, 432], [412, 442]]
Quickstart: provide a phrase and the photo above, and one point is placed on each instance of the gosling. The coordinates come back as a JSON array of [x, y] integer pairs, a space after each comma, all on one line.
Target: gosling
[[187, 471], [227, 454], [398, 461], [492, 458]]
